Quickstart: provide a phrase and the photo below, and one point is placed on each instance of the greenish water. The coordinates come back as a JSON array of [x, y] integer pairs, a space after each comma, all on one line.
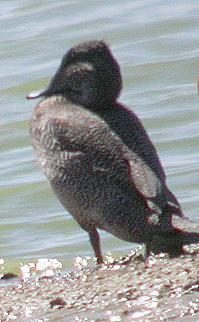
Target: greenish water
[[156, 44]]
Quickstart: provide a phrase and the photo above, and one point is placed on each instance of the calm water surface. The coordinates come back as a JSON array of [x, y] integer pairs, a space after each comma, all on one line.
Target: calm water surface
[[156, 44]]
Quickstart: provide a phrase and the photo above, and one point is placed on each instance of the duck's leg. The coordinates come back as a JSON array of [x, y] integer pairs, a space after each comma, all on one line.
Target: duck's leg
[[95, 242]]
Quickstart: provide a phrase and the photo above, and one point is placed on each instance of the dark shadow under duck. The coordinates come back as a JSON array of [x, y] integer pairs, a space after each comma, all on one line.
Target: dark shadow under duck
[[99, 159]]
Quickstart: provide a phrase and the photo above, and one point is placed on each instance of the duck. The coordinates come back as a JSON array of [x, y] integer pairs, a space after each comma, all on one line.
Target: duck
[[98, 157]]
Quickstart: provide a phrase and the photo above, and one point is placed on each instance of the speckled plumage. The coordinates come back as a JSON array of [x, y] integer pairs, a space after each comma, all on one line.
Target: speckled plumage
[[98, 157]]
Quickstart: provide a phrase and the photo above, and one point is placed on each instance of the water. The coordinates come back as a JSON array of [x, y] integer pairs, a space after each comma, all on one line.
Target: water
[[156, 44]]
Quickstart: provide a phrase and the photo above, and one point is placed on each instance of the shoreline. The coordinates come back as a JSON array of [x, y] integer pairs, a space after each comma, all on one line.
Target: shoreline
[[158, 289]]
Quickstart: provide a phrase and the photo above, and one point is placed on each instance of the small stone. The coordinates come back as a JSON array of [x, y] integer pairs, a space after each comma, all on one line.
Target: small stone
[[57, 303]]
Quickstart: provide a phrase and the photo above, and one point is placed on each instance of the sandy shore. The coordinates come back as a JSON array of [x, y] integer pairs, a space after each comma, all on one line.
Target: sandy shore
[[159, 289]]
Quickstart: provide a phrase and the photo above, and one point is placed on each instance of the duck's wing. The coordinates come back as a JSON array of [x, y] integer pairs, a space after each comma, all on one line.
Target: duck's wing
[[90, 136]]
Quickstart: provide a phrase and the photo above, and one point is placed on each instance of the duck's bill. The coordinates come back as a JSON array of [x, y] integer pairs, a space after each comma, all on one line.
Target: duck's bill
[[36, 94]]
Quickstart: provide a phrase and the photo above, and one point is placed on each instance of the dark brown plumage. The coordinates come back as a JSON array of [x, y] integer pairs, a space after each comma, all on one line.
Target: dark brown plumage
[[98, 157]]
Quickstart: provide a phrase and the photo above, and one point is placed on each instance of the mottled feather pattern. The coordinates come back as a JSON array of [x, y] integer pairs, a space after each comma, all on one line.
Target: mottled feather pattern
[[98, 157]]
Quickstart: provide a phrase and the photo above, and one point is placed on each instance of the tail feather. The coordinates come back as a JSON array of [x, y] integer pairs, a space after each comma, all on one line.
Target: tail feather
[[184, 232], [187, 238]]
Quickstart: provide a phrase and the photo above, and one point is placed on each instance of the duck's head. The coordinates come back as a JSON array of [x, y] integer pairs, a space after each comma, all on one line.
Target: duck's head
[[88, 75]]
